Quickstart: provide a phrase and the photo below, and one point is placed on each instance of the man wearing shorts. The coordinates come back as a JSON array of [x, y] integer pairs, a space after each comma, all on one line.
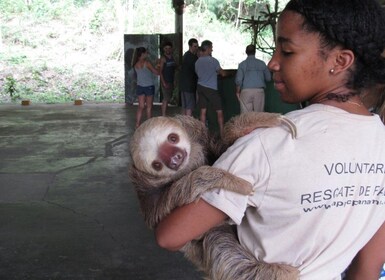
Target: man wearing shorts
[[167, 73], [207, 69]]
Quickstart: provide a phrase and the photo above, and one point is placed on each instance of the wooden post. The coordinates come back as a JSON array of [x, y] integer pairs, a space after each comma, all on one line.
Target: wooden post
[[179, 6]]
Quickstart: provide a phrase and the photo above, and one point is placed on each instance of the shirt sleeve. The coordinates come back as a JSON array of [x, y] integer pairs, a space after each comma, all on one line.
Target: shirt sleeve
[[239, 76], [246, 159], [267, 74], [217, 65]]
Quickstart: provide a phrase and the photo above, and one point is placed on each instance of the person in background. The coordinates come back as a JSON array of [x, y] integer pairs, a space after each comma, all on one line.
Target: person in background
[[199, 52], [207, 69], [167, 69], [188, 78], [318, 217], [145, 88], [250, 81]]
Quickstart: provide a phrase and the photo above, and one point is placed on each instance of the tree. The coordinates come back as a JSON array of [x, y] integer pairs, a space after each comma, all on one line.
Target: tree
[[262, 24], [258, 16]]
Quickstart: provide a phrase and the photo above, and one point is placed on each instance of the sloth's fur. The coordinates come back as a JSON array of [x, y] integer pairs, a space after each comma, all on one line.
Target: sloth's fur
[[218, 252]]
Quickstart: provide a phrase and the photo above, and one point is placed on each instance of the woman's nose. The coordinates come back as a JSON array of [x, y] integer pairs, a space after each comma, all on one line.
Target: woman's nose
[[273, 64]]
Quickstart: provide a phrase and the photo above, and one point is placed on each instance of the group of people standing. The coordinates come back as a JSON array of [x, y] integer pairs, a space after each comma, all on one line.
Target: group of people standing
[[198, 82], [166, 69], [200, 75]]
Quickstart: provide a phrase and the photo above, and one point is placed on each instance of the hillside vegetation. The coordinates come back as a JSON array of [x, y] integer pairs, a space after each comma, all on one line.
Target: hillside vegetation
[[57, 51]]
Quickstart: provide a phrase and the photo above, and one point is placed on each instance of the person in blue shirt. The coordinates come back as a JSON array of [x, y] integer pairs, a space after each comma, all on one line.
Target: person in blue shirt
[[250, 82], [207, 69]]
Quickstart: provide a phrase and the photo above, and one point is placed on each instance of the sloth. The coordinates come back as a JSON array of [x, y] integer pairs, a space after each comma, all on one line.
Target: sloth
[[171, 166]]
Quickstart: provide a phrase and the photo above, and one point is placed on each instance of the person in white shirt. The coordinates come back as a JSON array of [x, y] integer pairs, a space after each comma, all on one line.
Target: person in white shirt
[[319, 198]]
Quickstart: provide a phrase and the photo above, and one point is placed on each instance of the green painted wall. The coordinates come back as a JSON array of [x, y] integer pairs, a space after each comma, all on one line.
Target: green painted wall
[[231, 107]]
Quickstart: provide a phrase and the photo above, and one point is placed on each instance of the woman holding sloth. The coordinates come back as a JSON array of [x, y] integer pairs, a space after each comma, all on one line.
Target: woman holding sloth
[[305, 211]]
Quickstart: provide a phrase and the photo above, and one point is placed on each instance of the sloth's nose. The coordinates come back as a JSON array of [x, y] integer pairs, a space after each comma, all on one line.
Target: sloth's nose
[[175, 161]]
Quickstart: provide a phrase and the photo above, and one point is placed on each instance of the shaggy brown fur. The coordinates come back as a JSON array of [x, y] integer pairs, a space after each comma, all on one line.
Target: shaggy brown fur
[[170, 168]]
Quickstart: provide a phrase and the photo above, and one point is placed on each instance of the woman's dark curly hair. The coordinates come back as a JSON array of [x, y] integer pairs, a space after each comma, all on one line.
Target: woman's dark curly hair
[[357, 25]]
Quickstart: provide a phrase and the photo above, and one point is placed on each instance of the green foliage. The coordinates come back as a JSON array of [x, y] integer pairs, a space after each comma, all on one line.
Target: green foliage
[[38, 77], [229, 10], [224, 10], [10, 87], [39, 89], [8, 7], [19, 59], [97, 20], [102, 17], [244, 14], [43, 42], [160, 18], [81, 3], [39, 9]]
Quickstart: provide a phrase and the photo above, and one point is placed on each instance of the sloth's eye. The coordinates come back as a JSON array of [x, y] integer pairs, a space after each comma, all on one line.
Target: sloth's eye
[[157, 165], [173, 138]]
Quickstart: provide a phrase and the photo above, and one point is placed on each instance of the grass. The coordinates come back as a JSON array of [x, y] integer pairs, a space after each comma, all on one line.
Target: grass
[[56, 60]]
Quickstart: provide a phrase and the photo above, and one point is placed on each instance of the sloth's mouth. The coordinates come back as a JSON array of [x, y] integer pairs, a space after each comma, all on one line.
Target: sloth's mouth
[[177, 159]]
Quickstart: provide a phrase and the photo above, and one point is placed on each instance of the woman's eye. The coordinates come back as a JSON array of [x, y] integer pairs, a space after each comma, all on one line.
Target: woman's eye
[[173, 138], [157, 165], [286, 53]]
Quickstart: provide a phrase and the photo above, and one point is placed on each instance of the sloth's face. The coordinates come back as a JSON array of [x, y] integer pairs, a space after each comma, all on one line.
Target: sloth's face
[[163, 147]]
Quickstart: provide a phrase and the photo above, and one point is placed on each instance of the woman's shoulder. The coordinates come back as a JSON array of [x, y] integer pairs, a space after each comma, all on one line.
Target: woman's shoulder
[[147, 64]]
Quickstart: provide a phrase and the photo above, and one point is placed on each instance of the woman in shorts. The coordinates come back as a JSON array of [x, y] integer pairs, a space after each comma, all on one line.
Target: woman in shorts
[[145, 88]]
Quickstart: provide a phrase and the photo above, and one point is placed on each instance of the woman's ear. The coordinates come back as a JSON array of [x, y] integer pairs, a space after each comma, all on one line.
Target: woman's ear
[[344, 59]]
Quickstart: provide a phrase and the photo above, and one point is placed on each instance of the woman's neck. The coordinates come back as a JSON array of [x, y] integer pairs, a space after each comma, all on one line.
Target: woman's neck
[[140, 63], [349, 102]]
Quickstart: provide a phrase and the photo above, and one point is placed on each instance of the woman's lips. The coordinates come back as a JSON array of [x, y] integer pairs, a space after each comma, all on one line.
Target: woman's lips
[[279, 85]]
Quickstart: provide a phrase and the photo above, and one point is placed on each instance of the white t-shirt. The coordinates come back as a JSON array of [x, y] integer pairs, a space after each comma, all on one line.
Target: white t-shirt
[[318, 198]]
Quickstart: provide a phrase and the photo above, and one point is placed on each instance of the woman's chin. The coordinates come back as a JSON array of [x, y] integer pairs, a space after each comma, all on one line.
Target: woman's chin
[[286, 99]]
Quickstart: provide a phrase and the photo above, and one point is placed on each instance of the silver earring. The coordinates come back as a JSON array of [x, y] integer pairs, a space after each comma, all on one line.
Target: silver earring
[[331, 71]]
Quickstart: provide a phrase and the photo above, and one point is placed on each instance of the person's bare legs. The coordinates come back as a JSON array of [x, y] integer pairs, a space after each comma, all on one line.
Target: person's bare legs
[[188, 112], [139, 112], [164, 107], [149, 103], [220, 121], [203, 115]]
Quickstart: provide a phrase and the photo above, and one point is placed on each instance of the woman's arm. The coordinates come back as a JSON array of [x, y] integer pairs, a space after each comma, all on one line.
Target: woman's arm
[[369, 261], [187, 223], [161, 67], [152, 68]]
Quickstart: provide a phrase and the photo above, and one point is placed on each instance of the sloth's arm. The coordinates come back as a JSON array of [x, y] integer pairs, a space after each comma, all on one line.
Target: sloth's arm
[[190, 187], [243, 124]]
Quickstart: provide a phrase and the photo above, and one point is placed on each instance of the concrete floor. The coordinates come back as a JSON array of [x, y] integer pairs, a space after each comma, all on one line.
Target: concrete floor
[[67, 208]]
